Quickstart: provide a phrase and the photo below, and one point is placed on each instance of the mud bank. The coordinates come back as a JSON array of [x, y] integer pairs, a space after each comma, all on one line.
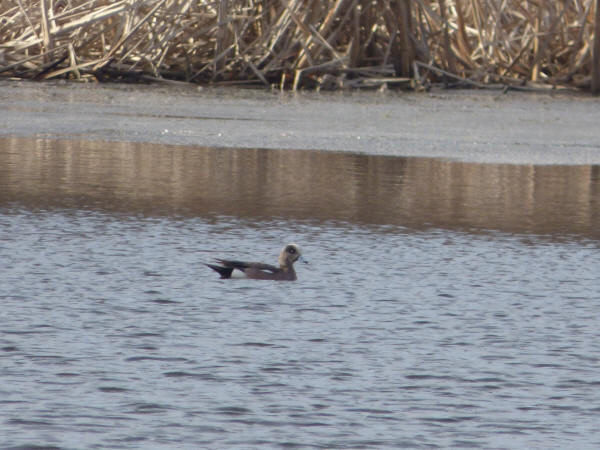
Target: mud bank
[[477, 126]]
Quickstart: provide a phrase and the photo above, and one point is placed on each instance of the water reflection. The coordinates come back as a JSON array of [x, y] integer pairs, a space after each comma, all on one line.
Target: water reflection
[[306, 185]]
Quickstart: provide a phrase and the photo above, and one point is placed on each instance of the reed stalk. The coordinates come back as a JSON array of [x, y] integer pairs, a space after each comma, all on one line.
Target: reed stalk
[[596, 52]]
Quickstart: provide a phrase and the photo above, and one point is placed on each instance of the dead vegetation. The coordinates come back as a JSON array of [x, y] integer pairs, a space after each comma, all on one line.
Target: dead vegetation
[[302, 43]]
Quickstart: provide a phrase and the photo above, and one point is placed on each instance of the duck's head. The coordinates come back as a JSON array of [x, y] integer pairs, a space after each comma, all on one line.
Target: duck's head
[[289, 255]]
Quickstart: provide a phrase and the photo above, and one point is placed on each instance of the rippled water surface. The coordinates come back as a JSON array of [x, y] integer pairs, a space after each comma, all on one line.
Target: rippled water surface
[[445, 304]]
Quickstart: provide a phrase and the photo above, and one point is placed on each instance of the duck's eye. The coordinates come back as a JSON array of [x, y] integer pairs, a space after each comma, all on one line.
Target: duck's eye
[[291, 250]]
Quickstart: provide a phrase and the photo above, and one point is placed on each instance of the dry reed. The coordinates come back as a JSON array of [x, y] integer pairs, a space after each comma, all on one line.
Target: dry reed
[[302, 43]]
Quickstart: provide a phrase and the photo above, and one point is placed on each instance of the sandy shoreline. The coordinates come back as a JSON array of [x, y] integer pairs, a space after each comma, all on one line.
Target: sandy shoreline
[[478, 126]]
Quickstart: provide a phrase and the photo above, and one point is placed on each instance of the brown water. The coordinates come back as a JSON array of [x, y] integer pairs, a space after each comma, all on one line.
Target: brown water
[[257, 184], [446, 304]]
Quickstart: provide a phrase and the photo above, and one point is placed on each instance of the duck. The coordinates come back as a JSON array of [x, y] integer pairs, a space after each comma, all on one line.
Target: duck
[[260, 271]]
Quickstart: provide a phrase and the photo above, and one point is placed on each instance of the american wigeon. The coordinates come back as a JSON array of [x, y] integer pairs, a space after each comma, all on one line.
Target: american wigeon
[[259, 271]]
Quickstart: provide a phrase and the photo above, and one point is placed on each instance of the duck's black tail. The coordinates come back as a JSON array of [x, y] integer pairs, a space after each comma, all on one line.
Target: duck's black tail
[[225, 272]]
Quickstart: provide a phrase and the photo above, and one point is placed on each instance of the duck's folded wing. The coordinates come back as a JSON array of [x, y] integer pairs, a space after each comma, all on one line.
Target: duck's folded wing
[[243, 265]]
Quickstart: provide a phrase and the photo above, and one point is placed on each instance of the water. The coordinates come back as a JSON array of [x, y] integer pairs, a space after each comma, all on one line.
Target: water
[[445, 304]]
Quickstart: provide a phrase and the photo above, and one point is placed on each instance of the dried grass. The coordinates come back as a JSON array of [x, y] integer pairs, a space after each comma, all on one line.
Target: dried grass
[[302, 43]]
